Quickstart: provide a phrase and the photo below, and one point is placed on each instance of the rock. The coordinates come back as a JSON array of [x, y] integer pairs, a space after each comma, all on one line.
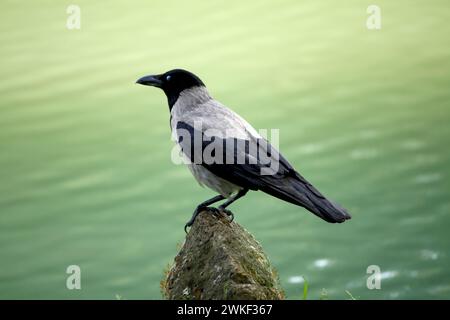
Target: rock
[[220, 260]]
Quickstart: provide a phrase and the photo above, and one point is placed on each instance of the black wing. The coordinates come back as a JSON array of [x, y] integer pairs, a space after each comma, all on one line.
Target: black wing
[[254, 164]]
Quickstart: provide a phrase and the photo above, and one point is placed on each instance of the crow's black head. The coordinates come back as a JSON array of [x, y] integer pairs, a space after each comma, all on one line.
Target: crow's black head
[[172, 82]]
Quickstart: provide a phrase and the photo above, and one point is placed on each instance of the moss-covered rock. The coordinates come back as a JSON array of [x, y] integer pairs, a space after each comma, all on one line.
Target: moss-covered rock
[[220, 260]]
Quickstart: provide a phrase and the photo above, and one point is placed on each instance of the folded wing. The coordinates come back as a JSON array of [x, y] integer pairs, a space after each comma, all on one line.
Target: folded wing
[[254, 164]]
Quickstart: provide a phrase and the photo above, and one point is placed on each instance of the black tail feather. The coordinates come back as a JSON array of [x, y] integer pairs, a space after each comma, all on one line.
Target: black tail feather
[[298, 191]]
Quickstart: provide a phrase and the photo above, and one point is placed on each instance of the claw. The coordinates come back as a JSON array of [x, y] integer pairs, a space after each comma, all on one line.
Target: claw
[[227, 212], [191, 221], [189, 224], [214, 211], [194, 216], [230, 215]]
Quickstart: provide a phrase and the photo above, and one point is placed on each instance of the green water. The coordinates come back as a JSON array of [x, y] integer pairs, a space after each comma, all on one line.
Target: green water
[[85, 169]]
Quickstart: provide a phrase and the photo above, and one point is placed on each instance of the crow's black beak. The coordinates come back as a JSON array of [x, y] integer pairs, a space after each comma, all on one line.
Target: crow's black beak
[[150, 81]]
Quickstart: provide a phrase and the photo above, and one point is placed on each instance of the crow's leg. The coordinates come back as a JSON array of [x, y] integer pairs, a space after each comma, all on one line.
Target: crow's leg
[[238, 195], [200, 207]]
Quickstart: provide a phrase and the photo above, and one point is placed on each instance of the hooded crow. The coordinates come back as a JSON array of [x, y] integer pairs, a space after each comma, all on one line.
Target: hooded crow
[[223, 151]]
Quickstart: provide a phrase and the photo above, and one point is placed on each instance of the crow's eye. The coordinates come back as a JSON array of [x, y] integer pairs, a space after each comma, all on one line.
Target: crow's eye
[[168, 78]]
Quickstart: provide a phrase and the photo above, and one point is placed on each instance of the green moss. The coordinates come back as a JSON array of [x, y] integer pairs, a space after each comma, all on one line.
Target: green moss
[[220, 260], [163, 282]]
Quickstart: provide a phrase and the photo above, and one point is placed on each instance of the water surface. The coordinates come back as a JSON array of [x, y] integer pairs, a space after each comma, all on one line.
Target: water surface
[[85, 169]]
